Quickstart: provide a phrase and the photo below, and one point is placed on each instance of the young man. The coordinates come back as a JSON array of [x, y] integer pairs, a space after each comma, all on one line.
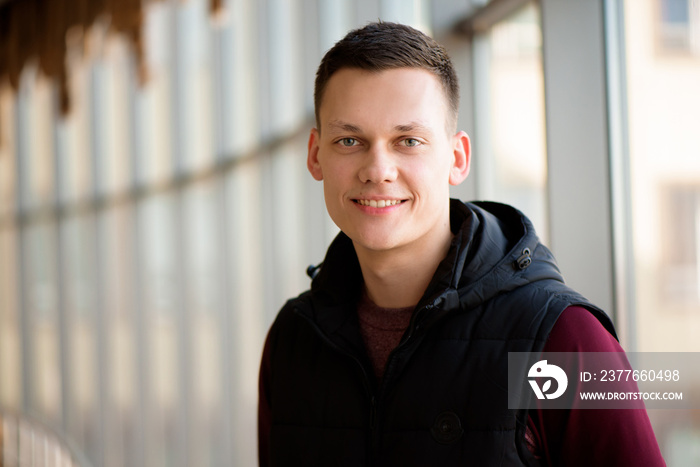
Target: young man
[[397, 356]]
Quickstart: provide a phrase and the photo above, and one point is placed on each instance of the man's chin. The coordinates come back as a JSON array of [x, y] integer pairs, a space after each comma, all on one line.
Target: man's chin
[[376, 243]]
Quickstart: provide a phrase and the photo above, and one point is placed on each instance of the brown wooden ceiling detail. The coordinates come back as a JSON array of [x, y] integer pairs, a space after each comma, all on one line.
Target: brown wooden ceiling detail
[[37, 29]]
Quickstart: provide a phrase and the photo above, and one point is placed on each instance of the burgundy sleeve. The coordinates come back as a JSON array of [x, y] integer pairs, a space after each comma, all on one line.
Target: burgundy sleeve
[[586, 437], [264, 421]]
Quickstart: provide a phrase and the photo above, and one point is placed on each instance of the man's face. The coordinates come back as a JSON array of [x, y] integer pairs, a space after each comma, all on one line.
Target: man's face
[[385, 157]]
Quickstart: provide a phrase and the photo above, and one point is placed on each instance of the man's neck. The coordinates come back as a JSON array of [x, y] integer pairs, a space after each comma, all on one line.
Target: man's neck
[[399, 278]]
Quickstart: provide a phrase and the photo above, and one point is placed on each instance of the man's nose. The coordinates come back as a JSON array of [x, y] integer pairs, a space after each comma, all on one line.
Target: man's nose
[[378, 166]]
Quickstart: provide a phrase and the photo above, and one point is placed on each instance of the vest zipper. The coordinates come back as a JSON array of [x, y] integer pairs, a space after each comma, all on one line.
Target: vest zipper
[[381, 390], [373, 431], [373, 442], [412, 328]]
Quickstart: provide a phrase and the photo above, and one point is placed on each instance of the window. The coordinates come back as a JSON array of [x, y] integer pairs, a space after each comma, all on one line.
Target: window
[[679, 224], [664, 170], [679, 26], [510, 150], [663, 208]]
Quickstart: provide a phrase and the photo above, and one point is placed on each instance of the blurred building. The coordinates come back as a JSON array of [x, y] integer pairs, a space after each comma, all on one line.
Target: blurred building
[[148, 237]]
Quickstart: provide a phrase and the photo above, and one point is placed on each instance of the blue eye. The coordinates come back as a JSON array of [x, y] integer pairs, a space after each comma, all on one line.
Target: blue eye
[[411, 142], [348, 141]]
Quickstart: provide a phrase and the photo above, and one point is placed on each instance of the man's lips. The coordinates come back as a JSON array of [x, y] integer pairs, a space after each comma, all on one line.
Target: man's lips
[[378, 203]]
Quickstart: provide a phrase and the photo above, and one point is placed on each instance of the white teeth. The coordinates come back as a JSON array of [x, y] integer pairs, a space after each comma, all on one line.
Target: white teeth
[[382, 203]]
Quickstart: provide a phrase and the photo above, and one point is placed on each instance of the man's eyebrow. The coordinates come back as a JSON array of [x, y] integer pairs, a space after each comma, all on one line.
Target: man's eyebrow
[[411, 127], [340, 125]]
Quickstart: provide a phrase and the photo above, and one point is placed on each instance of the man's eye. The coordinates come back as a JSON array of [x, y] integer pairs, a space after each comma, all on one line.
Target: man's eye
[[411, 142], [348, 142]]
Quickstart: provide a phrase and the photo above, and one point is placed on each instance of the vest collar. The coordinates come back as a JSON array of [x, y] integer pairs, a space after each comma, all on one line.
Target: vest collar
[[495, 249]]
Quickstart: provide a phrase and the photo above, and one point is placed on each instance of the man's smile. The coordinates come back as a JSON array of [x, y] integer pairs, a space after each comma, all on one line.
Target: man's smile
[[378, 203]]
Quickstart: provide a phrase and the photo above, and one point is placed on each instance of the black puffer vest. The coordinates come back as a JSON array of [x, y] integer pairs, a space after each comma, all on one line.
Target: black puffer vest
[[443, 397]]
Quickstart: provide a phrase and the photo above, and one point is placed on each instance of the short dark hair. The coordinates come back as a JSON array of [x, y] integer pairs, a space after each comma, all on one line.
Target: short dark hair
[[383, 46]]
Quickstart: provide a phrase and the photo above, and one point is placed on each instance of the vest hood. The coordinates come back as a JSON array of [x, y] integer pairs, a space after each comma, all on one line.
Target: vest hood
[[495, 250]]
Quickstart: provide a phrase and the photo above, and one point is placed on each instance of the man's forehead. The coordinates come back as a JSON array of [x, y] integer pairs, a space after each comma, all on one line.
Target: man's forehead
[[404, 99]]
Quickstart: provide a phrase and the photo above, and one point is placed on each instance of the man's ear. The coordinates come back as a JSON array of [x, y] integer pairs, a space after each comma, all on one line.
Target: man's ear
[[462, 158], [312, 162]]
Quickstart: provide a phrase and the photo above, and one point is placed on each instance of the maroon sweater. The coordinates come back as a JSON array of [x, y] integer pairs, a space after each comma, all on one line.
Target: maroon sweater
[[584, 438]]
